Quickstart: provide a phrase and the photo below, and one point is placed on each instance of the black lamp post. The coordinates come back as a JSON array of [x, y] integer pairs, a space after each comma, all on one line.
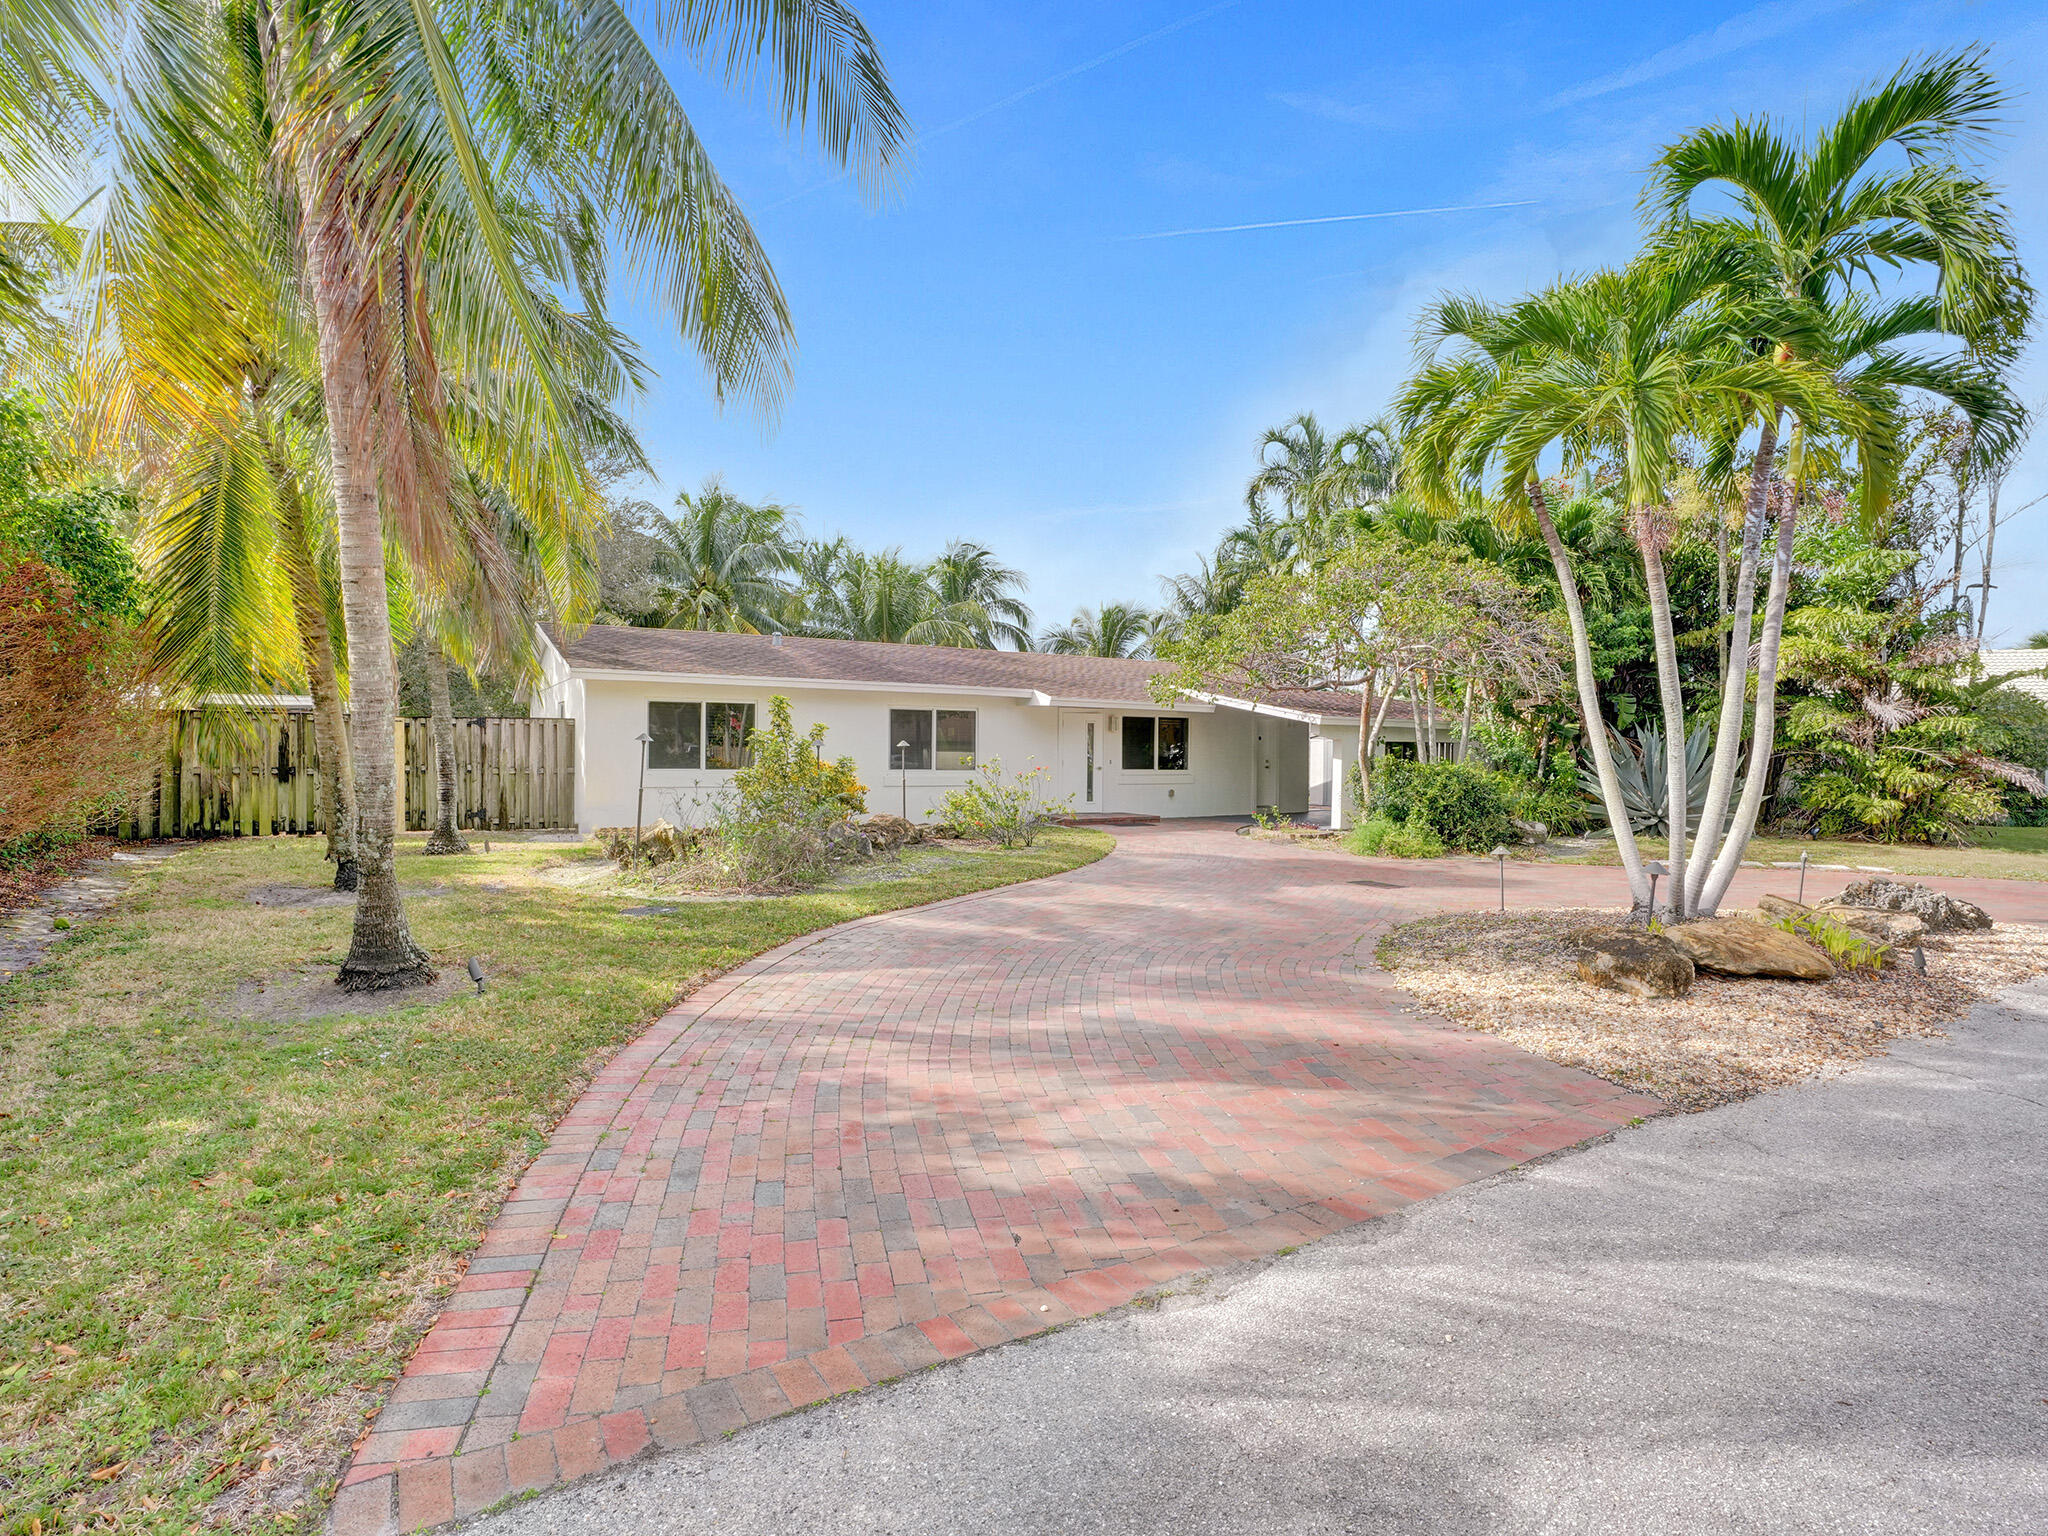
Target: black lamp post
[[1500, 856], [903, 770], [640, 799]]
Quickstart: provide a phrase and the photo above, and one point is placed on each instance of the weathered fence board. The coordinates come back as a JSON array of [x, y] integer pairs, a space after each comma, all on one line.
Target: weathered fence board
[[260, 776]]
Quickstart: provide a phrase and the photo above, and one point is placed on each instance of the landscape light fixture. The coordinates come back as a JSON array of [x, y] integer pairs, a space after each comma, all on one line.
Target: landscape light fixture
[[1803, 856], [640, 799], [1655, 869], [903, 769], [1500, 855], [476, 974]]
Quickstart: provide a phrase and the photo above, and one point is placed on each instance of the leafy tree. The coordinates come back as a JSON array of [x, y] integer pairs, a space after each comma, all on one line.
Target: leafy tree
[[1881, 739], [74, 530]]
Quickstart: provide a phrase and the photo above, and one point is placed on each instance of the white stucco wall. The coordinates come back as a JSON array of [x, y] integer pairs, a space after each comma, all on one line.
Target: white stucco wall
[[611, 714]]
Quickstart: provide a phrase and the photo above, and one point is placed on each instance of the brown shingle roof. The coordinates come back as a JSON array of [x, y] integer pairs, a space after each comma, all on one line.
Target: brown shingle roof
[[795, 658]]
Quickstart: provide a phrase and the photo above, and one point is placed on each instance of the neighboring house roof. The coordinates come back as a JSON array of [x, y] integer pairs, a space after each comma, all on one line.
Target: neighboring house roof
[[2005, 663], [1036, 675]]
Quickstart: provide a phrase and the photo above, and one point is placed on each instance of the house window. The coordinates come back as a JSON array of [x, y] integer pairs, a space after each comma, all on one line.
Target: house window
[[726, 729], [931, 738], [1155, 741], [910, 738], [678, 735], [956, 738], [698, 735]]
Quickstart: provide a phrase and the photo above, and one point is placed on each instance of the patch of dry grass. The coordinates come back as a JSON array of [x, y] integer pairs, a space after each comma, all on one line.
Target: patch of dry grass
[[1511, 975]]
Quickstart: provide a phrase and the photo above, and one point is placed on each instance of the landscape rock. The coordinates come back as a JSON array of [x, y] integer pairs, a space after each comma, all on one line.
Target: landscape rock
[[1534, 832], [1881, 927], [888, 833], [1730, 946], [1632, 961], [1941, 912]]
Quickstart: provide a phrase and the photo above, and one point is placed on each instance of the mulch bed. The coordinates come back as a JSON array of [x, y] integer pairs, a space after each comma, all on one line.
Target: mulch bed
[[1511, 975]]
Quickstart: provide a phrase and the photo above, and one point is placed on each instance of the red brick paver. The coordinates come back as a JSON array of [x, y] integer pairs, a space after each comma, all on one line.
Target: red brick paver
[[922, 1134]]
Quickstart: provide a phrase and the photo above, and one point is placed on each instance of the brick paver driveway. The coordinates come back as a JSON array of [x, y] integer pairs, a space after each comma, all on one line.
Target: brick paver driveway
[[927, 1132]]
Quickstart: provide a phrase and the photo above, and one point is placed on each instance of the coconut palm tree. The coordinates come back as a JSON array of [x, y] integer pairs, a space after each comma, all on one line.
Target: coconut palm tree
[[403, 162], [969, 576], [723, 562], [1114, 629]]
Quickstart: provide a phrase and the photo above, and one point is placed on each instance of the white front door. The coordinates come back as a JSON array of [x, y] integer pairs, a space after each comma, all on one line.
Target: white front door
[[1083, 740], [1266, 763]]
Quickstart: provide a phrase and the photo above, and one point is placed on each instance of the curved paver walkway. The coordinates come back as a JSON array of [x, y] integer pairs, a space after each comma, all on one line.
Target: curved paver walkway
[[931, 1131]]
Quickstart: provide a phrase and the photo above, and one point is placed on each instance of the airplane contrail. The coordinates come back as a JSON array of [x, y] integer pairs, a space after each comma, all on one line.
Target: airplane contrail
[[1333, 218]]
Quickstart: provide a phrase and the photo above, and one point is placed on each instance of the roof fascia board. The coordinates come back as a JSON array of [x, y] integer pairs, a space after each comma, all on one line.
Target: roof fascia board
[[842, 685], [1307, 717]]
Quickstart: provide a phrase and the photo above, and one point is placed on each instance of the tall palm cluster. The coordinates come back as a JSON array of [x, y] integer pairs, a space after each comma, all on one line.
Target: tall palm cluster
[[723, 563], [342, 314], [1755, 370]]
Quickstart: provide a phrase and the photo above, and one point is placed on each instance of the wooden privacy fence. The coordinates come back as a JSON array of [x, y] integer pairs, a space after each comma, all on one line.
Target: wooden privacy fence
[[259, 776]]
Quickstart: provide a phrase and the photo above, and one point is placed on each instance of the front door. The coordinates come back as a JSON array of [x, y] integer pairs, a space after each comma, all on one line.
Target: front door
[[1083, 739]]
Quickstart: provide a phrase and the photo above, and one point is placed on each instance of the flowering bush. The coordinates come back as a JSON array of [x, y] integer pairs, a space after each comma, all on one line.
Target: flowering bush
[[1009, 809]]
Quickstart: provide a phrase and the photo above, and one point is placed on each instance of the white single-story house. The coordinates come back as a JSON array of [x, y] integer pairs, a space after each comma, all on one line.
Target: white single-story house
[[916, 719]]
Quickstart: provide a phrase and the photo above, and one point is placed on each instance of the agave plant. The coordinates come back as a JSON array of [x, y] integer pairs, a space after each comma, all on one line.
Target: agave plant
[[1639, 762]]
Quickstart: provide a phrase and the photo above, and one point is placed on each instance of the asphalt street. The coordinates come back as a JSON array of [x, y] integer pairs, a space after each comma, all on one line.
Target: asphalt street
[[1818, 1311]]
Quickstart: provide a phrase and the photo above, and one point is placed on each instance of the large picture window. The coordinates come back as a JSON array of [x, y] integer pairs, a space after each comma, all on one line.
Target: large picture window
[[1155, 741], [698, 735], [931, 738]]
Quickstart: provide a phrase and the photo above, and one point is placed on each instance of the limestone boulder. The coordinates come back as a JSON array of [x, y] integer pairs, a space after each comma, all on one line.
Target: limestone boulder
[[1894, 928], [888, 833], [1533, 832], [1941, 912], [1775, 907], [1632, 961], [1728, 946]]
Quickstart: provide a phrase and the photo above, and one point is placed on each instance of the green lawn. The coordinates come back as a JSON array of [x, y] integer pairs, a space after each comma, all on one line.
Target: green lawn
[[1997, 853], [219, 1238]]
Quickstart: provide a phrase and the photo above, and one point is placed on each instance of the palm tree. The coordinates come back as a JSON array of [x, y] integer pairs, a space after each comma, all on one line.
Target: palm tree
[[722, 562], [1313, 476], [967, 575], [1808, 222], [1115, 629], [404, 166], [1616, 367]]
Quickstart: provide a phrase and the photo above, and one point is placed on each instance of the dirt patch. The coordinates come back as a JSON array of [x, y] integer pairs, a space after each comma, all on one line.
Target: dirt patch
[[299, 995], [305, 896], [1511, 975]]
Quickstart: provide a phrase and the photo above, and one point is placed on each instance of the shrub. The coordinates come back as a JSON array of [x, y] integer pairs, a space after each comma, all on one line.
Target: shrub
[[1011, 810], [772, 829], [1462, 805], [1849, 949], [1380, 838]]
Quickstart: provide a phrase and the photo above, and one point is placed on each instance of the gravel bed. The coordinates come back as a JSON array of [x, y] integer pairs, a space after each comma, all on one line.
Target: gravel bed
[[1511, 975]]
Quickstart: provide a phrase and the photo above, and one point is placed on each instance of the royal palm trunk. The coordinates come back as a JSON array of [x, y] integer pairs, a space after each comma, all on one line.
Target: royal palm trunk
[[1589, 701], [444, 838], [1735, 671]]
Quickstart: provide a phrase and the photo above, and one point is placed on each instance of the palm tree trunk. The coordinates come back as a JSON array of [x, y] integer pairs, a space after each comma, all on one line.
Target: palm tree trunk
[[1589, 702], [382, 953], [1764, 730], [444, 838], [1677, 794], [316, 641], [1734, 685]]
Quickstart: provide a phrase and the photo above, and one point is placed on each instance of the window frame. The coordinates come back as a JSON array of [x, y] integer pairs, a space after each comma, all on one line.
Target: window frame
[[928, 761], [1153, 734], [702, 708]]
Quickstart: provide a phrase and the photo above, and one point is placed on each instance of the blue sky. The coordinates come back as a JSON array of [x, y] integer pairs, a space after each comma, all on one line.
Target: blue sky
[[991, 355]]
